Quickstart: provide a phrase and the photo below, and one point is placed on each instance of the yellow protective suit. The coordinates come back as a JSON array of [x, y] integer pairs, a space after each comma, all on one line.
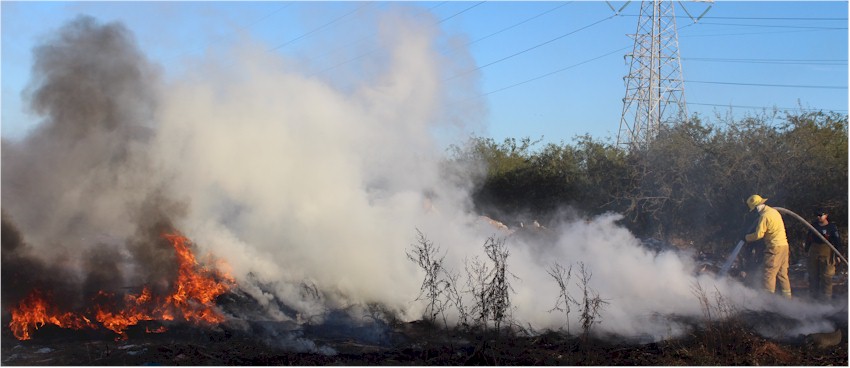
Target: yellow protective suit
[[771, 228]]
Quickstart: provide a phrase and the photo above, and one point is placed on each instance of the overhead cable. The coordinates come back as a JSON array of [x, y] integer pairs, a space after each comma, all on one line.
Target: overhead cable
[[755, 33], [555, 71], [765, 107], [337, 19], [364, 54], [769, 25], [245, 27], [530, 48], [460, 12], [759, 18], [769, 85], [777, 18], [520, 23], [773, 61]]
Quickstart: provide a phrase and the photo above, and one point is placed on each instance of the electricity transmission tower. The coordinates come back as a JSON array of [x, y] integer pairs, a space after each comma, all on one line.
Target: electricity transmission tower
[[655, 92]]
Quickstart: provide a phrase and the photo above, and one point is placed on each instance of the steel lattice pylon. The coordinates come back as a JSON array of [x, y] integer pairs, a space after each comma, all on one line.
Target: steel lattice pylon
[[655, 91]]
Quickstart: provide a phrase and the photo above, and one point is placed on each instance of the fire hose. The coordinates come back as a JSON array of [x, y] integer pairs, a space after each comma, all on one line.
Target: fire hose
[[788, 212], [734, 255]]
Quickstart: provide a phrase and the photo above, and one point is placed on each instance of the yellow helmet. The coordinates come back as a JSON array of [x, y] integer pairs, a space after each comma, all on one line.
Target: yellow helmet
[[754, 201]]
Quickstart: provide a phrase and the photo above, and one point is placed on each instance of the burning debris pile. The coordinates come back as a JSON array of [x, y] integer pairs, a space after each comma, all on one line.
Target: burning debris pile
[[83, 214], [121, 158], [192, 299]]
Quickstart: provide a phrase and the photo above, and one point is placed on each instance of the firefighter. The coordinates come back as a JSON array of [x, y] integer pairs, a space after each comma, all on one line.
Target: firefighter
[[821, 258], [771, 228]]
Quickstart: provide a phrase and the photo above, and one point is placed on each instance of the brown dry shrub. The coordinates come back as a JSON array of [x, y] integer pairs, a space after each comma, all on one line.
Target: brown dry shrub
[[767, 352]]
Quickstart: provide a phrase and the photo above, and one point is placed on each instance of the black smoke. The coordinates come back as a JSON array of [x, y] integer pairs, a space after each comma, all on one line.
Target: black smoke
[[82, 208], [21, 273]]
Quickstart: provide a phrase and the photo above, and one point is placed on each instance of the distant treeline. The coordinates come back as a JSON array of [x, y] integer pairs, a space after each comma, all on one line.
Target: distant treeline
[[689, 185]]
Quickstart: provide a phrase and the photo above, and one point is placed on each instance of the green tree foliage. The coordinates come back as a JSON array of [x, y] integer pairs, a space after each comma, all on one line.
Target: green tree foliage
[[690, 183]]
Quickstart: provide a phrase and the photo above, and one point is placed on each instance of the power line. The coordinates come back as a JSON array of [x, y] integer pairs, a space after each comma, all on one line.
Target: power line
[[755, 33], [779, 60], [554, 72], [337, 19], [364, 54], [773, 61], [373, 34], [460, 12], [765, 107], [438, 5], [777, 18], [548, 74], [769, 26], [245, 27], [761, 18], [769, 85], [451, 51], [562, 69], [688, 81], [530, 48], [266, 16], [480, 39], [520, 23]]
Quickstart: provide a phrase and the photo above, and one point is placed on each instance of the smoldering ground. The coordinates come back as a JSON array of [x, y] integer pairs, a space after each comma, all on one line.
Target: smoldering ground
[[311, 192]]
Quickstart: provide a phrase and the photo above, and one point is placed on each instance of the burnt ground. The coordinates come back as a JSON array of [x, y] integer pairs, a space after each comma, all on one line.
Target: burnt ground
[[416, 343], [341, 342]]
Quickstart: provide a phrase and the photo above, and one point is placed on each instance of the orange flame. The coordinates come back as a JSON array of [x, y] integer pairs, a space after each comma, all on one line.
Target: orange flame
[[132, 314], [159, 329], [192, 299], [34, 312], [195, 291]]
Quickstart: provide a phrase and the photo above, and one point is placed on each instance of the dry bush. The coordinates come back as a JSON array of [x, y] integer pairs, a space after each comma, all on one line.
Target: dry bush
[[489, 285], [562, 277], [455, 297], [476, 283], [498, 287], [487, 282], [426, 255], [591, 305]]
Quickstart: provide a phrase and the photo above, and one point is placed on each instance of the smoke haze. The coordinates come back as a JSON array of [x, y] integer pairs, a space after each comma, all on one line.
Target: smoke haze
[[311, 193]]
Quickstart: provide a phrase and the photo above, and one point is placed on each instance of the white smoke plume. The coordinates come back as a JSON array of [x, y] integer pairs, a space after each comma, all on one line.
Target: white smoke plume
[[647, 291], [297, 182], [311, 193]]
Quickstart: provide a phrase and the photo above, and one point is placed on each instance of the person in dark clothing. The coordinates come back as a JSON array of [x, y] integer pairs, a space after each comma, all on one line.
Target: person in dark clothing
[[821, 258]]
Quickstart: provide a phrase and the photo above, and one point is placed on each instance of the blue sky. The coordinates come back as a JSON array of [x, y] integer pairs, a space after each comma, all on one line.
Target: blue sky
[[547, 69]]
